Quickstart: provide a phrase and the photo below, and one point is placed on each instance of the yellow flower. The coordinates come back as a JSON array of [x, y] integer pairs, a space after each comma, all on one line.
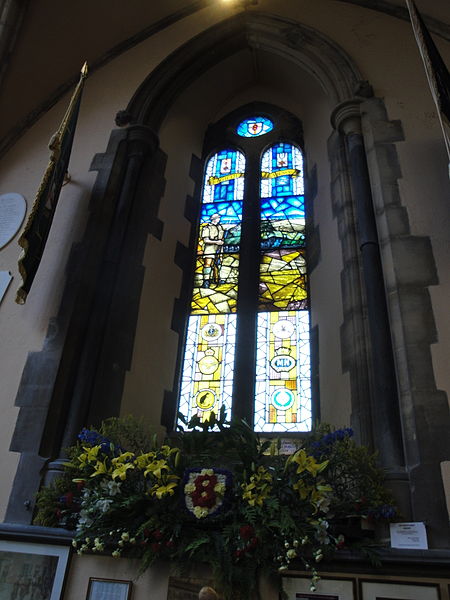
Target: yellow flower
[[167, 450], [142, 460], [163, 490], [89, 455], [307, 463], [100, 468], [302, 489], [219, 488], [120, 472], [200, 512], [124, 457], [259, 487], [156, 468]]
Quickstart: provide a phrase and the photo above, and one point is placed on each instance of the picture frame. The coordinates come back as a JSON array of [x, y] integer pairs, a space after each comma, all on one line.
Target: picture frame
[[32, 569], [327, 588], [109, 589], [370, 589]]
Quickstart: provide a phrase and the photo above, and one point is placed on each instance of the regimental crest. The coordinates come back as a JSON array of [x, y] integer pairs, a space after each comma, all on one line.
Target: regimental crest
[[254, 127], [225, 165], [206, 492], [282, 159]]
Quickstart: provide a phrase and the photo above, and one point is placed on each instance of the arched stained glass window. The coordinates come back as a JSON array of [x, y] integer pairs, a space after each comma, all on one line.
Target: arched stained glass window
[[248, 329]]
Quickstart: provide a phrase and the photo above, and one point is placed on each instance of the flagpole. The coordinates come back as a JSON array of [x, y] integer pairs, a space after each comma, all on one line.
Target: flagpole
[[35, 233]]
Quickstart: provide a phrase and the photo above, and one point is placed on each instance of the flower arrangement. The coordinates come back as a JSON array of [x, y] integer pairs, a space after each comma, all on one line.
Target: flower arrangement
[[215, 494]]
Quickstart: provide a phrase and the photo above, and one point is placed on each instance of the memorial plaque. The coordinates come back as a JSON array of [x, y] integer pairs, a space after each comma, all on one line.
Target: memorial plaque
[[12, 211]]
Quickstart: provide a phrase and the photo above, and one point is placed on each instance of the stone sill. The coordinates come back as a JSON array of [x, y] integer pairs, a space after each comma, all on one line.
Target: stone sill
[[435, 562]]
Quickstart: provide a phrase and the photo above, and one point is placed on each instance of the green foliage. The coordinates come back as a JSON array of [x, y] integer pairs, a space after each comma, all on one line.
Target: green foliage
[[55, 503], [129, 432], [215, 494]]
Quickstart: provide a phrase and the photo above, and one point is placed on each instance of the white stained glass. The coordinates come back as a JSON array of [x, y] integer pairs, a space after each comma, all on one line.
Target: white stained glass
[[193, 379], [269, 165], [213, 170], [240, 182], [268, 389]]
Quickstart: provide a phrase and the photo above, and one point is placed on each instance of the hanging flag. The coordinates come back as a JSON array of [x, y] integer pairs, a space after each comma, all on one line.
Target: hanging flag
[[35, 234], [435, 69]]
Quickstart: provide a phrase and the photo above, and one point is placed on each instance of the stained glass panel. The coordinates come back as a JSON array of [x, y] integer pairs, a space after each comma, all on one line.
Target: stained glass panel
[[282, 200], [207, 371], [217, 262], [224, 179], [282, 283], [207, 376], [283, 394], [254, 127], [283, 384]]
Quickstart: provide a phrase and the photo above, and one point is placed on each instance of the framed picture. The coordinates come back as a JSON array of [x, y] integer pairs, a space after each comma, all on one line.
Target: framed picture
[[108, 589], [327, 589], [395, 590], [29, 570]]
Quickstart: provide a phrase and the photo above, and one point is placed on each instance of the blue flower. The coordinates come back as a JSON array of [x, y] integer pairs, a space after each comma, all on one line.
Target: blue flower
[[385, 511], [323, 446], [93, 438]]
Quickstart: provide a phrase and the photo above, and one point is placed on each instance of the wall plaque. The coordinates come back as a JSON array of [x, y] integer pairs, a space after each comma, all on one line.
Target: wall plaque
[[12, 211]]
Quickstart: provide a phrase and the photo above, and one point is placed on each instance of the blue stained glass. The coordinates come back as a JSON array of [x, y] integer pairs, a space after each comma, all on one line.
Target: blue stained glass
[[283, 208], [254, 127], [282, 171], [230, 212], [224, 180]]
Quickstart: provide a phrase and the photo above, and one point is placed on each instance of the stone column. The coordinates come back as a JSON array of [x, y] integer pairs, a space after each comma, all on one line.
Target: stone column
[[98, 386], [385, 413], [77, 379]]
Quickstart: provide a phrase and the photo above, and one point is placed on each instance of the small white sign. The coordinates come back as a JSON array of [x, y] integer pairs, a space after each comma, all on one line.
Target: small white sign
[[409, 535], [5, 280]]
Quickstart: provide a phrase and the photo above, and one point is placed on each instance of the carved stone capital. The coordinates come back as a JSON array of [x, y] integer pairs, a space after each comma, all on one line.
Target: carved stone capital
[[123, 118], [346, 117], [142, 139]]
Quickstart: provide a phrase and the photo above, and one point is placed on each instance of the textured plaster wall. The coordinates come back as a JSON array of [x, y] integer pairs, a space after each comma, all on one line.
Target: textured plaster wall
[[382, 48]]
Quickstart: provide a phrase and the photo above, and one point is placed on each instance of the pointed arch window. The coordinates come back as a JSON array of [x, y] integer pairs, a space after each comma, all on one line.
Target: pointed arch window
[[247, 346]]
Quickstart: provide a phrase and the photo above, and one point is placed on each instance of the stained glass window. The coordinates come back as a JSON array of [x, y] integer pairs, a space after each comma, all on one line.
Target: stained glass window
[[207, 375], [283, 394], [254, 127], [281, 362]]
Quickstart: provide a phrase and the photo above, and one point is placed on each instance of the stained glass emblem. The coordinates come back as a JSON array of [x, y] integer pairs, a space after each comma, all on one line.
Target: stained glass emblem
[[254, 127], [283, 386], [207, 378]]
